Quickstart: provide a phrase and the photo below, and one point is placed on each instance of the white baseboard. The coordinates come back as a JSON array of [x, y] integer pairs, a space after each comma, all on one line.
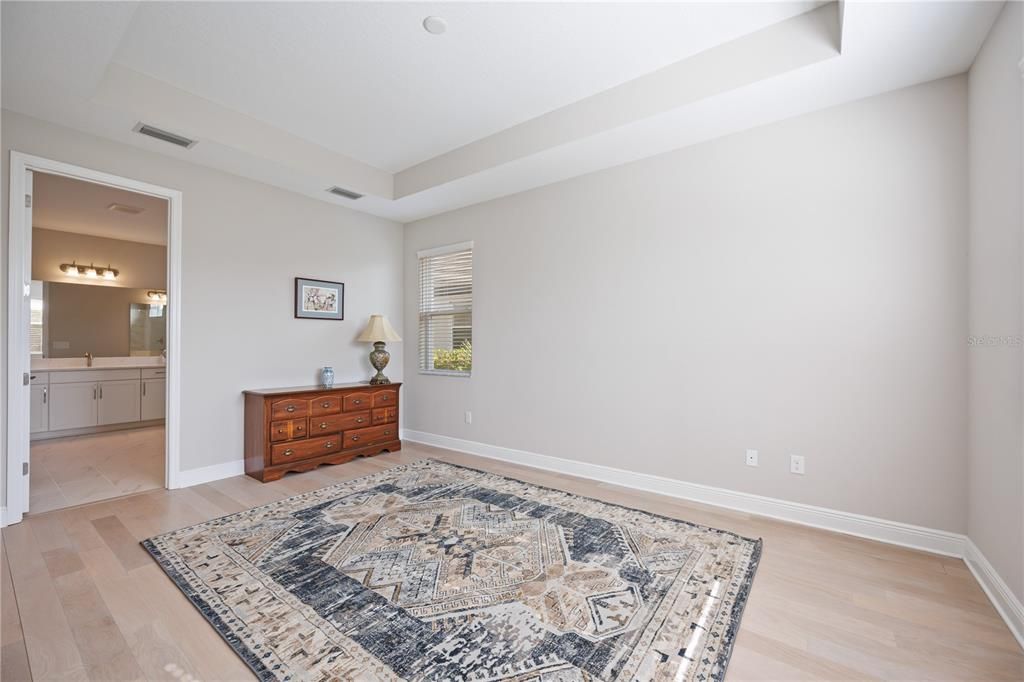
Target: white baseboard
[[892, 532], [213, 472], [999, 593]]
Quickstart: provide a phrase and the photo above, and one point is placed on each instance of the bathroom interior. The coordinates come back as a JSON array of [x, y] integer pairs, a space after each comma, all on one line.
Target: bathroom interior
[[98, 342]]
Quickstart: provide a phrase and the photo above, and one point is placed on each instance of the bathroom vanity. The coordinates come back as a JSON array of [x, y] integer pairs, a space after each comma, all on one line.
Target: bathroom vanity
[[71, 401]]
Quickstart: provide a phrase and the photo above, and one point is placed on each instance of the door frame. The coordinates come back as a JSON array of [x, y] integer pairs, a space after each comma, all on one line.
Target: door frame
[[19, 274]]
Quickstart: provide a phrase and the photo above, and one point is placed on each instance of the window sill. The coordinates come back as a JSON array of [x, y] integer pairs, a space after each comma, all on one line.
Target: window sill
[[445, 373]]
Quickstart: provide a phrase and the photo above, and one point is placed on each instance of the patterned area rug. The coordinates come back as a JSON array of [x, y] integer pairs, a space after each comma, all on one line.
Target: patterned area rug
[[433, 571]]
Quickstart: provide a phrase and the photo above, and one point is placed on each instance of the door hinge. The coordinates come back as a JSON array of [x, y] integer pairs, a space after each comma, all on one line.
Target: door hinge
[[24, 468], [28, 201], [25, 379]]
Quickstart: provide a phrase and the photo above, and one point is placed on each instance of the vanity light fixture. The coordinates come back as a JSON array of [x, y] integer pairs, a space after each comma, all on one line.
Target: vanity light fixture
[[157, 296], [73, 269]]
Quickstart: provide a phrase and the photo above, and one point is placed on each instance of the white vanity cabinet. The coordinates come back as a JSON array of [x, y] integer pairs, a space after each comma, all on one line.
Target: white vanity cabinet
[[77, 401], [154, 393], [40, 409], [119, 402]]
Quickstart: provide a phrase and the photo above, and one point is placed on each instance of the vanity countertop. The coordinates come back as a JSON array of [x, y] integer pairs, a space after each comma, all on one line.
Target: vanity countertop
[[78, 364]]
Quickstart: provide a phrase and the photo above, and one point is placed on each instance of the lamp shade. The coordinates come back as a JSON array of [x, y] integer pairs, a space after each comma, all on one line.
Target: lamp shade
[[379, 329]]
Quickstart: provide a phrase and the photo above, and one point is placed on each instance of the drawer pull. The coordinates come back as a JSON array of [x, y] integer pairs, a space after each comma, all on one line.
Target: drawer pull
[[325, 404], [289, 452], [329, 444], [280, 430], [357, 402], [387, 433], [290, 408], [323, 425], [383, 398], [300, 428], [360, 420], [355, 438]]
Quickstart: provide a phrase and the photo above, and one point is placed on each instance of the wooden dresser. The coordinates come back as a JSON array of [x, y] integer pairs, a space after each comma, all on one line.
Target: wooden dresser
[[298, 429]]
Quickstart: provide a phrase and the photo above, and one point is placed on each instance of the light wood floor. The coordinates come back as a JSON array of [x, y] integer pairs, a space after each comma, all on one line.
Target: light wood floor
[[70, 471], [82, 600]]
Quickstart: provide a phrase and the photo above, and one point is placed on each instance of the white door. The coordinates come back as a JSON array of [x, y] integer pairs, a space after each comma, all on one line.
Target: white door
[[154, 400], [118, 402], [40, 409], [73, 406]]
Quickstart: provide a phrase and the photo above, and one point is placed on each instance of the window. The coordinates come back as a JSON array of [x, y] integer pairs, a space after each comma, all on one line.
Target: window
[[446, 310], [35, 330]]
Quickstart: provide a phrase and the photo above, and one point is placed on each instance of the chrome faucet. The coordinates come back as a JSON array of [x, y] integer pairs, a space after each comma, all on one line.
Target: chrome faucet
[[88, 359]]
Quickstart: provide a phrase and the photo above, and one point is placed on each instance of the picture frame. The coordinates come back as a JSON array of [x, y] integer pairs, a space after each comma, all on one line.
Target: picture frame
[[319, 299]]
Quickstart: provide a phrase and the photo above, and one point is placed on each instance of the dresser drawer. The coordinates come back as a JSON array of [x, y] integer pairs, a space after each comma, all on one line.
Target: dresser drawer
[[354, 402], [360, 438], [289, 408], [305, 449], [338, 422], [324, 404], [383, 415], [385, 398], [288, 429]]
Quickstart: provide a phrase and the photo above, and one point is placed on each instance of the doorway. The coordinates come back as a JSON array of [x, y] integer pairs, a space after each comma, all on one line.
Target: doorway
[[93, 386]]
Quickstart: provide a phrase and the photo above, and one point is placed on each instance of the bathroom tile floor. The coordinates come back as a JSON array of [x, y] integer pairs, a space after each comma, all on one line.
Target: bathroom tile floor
[[70, 471]]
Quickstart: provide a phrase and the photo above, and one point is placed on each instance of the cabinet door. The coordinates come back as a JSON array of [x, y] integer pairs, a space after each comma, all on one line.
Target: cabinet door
[[119, 401], [154, 397], [40, 410], [72, 406]]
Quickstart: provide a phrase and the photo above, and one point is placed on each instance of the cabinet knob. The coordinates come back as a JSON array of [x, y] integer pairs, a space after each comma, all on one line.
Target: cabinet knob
[[387, 433], [323, 425], [289, 452], [325, 404], [355, 438], [290, 408], [300, 428], [280, 430], [360, 420], [329, 444]]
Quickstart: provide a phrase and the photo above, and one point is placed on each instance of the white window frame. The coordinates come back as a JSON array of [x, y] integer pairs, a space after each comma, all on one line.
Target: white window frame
[[430, 253]]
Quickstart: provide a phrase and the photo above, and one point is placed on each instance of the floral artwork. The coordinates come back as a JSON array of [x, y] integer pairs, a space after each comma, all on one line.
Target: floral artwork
[[319, 299]]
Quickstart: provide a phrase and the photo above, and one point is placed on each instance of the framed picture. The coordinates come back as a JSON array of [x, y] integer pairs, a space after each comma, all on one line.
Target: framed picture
[[319, 299]]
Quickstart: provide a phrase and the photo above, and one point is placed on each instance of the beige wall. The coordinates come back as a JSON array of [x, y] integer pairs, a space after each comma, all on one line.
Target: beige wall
[[140, 266], [996, 461], [89, 319], [797, 288], [243, 244]]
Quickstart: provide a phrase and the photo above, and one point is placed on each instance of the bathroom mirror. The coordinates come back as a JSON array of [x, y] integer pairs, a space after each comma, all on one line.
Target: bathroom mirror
[[69, 320]]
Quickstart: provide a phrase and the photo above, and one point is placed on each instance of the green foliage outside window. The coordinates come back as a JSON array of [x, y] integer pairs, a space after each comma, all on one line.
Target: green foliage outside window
[[457, 359]]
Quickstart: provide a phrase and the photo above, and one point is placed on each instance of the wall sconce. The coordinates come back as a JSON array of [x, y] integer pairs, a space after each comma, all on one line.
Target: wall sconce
[[157, 296], [73, 269]]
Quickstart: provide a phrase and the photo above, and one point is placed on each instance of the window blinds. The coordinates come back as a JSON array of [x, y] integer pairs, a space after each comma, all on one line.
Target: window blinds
[[446, 309]]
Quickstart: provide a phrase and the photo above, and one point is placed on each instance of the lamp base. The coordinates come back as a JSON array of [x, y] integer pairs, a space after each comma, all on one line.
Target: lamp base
[[379, 358]]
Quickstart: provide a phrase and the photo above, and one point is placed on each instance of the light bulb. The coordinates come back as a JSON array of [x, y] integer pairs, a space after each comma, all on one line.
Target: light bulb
[[91, 272], [109, 274]]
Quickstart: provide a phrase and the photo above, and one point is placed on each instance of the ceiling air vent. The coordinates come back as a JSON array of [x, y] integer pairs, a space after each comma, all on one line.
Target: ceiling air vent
[[342, 192], [165, 136]]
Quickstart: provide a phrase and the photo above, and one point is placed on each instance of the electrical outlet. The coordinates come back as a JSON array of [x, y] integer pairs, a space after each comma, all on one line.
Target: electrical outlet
[[796, 464], [751, 458], [469, 417]]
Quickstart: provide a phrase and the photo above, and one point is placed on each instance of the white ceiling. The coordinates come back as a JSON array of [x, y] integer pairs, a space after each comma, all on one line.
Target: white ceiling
[[514, 95], [365, 79], [69, 205]]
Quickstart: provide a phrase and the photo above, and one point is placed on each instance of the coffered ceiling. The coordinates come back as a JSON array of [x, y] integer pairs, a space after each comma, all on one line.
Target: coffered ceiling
[[306, 96]]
